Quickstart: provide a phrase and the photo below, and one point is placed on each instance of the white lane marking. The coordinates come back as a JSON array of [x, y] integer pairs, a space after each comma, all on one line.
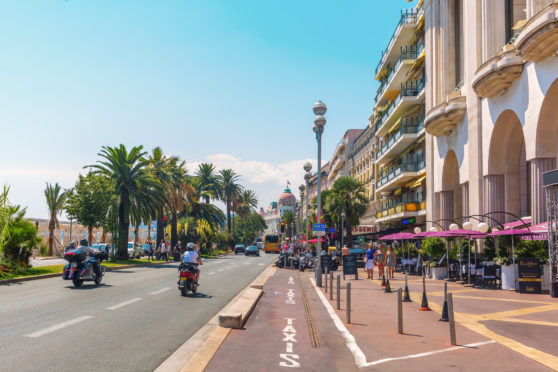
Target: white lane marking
[[159, 291], [261, 264], [59, 326], [221, 270], [430, 352], [358, 355], [118, 306], [211, 273]]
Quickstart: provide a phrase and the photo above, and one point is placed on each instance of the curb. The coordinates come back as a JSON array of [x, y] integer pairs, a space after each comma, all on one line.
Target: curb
[[196, 353], [54, 275]]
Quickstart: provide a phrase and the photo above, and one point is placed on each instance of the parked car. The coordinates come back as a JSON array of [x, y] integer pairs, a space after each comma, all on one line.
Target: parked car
[[260, 245], [252, 249], [239, 248], [134, 252]]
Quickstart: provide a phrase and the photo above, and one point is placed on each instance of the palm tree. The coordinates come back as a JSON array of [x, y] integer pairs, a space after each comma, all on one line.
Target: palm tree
[[158, 166], [142, 208], [347, 194], [289, 218], [177, 189], [131, 178], [199, 211], [209, 181], [247, 202], [228, 182], [55, 198]]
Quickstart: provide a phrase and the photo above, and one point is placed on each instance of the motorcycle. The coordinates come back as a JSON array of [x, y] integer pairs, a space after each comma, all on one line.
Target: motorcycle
[[80, 267], [186, 278], [306, 262]]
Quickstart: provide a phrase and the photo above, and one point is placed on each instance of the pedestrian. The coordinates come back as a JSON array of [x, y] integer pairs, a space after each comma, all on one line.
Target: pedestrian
[[150, 252], [164, 255], [345, 250], [370, 261], [176, 252], [390, 261], [379, 260]]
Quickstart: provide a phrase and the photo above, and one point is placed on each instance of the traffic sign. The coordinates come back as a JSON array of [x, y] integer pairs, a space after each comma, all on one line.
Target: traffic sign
[[361, 239], [318, 229]]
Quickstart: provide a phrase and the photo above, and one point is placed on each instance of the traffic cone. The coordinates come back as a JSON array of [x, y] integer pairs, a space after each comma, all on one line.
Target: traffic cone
[[445, 317], [383, 279], [406, 296], [424, 304]]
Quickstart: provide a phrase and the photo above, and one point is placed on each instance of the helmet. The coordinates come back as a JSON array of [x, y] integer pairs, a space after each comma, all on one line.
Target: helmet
[[190, 246], [84, 242], [73, 242]]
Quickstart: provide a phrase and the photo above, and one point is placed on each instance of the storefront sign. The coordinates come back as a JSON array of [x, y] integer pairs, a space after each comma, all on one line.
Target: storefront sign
[[350, 265], [326, 262], [529, 275], [365, 229]]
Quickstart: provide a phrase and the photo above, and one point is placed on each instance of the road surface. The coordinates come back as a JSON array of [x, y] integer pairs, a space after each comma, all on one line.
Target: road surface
[[132, 322]]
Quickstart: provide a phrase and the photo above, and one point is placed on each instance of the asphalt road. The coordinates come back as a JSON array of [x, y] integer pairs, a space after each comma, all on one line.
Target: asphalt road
[[132, 322]]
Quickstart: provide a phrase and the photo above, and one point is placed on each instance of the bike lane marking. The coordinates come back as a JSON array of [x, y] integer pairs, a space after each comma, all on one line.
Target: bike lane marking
[[122, 304], [58, 326]]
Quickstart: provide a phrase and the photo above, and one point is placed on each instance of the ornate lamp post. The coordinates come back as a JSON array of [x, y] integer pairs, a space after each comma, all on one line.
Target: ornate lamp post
[[319, 124], [301, 188]]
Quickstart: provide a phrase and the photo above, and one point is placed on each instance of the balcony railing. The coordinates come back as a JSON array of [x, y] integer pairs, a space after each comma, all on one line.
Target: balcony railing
[[408, 89], [407, 16], [408, 126], [408, 52], [400, 207], [393, 172]]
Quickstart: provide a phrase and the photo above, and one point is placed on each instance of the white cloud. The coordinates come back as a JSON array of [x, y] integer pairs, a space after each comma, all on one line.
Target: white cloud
[[266, 179]]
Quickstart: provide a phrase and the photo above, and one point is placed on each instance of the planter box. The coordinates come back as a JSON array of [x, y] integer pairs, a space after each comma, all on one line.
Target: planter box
[[508, 276], [438, 273]]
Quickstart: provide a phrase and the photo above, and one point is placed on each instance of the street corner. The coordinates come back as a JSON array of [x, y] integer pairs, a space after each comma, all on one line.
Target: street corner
[[279, 334]]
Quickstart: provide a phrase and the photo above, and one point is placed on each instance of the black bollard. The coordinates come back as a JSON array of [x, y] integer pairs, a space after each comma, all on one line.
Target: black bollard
[[406, 296], [424, 304], [445, 317], [383, 279]]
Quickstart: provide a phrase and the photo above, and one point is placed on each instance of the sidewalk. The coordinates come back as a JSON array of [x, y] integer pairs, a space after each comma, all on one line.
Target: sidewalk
[[296, 325]]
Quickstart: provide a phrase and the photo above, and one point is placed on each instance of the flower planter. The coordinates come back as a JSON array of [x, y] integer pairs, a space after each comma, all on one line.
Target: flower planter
[[508, 276], [438, 273]]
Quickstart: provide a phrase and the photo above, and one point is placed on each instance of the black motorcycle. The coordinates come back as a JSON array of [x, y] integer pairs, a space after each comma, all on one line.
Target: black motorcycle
[[80, 267], [305, 261], [187, 278]]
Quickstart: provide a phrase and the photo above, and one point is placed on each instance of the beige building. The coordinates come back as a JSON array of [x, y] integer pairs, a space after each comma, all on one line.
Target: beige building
[[362, 160], [491, 106], [340, 165], [398, 124]]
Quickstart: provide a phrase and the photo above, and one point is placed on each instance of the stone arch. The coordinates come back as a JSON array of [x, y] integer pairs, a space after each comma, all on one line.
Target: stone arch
[[451, 195], [546, 150], [507, 179]]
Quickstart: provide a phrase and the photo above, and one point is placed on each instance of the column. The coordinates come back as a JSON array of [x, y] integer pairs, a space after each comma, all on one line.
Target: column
[[538, 167], [465, 199], [446, 208], [494, 196]]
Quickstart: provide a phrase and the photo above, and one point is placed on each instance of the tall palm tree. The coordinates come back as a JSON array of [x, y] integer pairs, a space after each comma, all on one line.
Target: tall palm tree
[[209, 181], [130, 175], [143, 208], [247, 202], [348, 194], [158, 166], [228, 181], [55, 198], [177, 189], [199, 211], [289, 218]]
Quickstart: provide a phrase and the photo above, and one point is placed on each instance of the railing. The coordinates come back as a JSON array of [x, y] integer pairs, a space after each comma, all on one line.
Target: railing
[[393, 172], [409, 88], [407, 16], [411, 52], [408, 126], [396, 207]]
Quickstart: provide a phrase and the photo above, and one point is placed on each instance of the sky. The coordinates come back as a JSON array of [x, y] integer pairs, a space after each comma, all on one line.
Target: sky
[[227, 82]]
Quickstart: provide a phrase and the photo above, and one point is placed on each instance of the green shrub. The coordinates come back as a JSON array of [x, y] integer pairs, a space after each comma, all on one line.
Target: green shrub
[[532, 249], [433, 247]]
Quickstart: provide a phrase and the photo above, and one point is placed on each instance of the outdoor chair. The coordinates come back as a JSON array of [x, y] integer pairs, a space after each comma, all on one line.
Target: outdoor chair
[[489, 277], [453, 271]]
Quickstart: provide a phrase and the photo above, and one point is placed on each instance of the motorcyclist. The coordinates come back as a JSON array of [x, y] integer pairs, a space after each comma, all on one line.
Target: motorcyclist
[[72, 246], [92, 254], [192, 257]]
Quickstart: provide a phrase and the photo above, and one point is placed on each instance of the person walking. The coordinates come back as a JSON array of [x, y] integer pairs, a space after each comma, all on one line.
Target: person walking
[[379, 260], [150, 252], [370, 260], [390, 262], [164, 255]]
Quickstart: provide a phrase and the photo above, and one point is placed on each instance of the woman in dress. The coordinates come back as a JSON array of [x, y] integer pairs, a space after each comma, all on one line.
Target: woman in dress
[[370, 261], [379, 260], [390, 262]]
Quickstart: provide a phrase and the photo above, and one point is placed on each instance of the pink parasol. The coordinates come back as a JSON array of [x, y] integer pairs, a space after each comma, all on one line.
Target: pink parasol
[[399, 236], [312, 241]]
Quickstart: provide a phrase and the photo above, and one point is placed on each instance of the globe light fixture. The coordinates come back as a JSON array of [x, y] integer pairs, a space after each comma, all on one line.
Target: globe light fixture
[[468, 226], [417, 230], [307, 176], [319, 108], [320, 121], [307, 166], [454, 227], [482, 227], [433, 229]]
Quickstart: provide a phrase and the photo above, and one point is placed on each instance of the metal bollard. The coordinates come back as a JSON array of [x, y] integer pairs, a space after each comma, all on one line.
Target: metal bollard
[[326, 270], [331, 285], [318, 277], [451, 319], [348, 303], [399, 312], [338, 292]]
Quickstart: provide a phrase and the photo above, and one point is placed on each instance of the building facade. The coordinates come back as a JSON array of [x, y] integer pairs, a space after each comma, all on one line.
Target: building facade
[[340, 165], [276, 210], [491, 107], [362, 160], [398, 125]]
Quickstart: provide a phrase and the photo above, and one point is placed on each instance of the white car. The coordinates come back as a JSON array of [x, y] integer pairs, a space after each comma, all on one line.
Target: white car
[[136, 252]]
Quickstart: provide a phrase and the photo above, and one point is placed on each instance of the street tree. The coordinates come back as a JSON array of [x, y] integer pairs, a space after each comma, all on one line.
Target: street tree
[[289, 219], [209, 181], [55, 198], [230, 187]]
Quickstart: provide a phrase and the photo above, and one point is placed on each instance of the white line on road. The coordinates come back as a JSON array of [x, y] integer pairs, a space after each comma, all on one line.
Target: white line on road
[[211, 273], [160, 291], [221, 270], [261, 264], [59, 326], [123, 304], [358, 355]]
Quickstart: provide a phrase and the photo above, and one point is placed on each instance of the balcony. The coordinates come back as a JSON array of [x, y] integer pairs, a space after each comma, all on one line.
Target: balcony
[[411, 129], [402, 35], [539, 37], [397, 75], [498, 73], [400, 174], [412, 93], [400, 210], [443, 119]]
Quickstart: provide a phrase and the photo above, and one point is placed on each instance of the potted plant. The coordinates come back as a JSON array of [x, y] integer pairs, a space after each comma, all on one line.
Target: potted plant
[[505, 260], [434, 248]]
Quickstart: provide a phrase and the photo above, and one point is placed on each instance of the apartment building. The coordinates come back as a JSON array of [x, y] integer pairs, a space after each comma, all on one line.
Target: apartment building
[[362, 160]]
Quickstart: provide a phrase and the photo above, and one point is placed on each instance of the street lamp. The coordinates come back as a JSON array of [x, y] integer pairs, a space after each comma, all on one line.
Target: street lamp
[[319, 124], [307, 177], [301, 188], [342, 218]]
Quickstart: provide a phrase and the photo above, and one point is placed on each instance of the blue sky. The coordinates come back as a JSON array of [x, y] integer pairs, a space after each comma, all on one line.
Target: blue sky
[[230, 82]]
